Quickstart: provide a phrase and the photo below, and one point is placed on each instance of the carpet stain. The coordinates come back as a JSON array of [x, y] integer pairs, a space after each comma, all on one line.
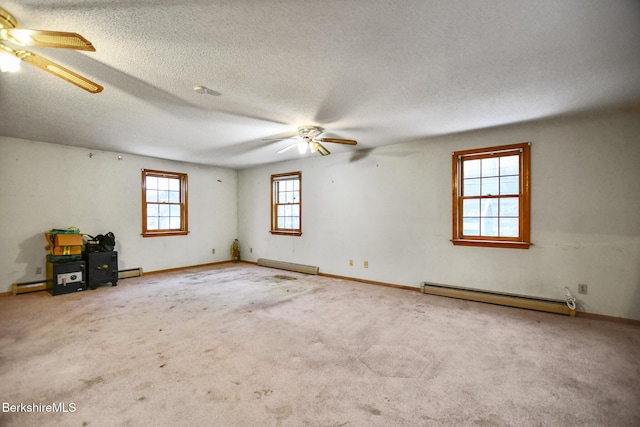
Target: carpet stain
[[92, 381], [371, 409], [283, 277], [281, 412], [143, 386], [262, 393]]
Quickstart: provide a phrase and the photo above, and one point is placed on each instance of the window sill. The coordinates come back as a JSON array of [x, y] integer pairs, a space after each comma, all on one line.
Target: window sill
[[286, 233], [492, 243], [166, 233]]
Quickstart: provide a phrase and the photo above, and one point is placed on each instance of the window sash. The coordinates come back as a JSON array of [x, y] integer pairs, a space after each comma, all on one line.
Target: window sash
[[491, 196], [164, 203], [286, 203]]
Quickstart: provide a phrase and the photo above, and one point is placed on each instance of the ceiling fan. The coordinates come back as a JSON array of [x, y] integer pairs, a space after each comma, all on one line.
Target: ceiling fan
[[11, 32], [309, 141]]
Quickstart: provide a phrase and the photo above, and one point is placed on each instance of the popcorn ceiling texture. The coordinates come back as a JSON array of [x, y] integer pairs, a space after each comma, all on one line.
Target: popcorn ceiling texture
[[380, 72]]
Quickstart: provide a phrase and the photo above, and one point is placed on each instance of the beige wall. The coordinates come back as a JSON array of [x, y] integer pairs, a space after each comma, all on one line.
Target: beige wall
[[389, 206], [392, 207], [45, 186]]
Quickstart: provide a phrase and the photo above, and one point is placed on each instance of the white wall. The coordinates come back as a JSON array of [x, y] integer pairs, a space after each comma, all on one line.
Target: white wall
[[45, 186], [392, 207]]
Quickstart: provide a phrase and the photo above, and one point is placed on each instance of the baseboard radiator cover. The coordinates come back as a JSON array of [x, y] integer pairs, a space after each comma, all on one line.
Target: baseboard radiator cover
[[509, 300], [289, 266], [41, 285], [131, 272]]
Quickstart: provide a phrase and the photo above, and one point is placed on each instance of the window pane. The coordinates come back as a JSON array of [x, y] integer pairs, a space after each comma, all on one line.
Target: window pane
[[280, 210], [489, 227], [287, 210], [280, 222], [471, 187], [174, 197], [163, 223], [490, 186], [163, 210], [489, 207], [174, 184], [152, 210], [471, 168], [471, 207], [509, 206], [163, 196], [152, 223], [510, 165], [490, 166], [174, 210], [152, 196], [287, 222], [471, 226], [295, 210], [509, 227], [151, 182], [509, 185], [163, 183], [296, 185], [174, 223]]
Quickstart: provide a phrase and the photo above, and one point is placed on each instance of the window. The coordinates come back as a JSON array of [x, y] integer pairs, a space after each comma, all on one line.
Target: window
[[491, 196], [164, 203], [286, 204]]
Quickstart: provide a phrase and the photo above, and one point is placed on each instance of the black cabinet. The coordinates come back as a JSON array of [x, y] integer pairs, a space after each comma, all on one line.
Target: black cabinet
[[101, 268], [65, 277]]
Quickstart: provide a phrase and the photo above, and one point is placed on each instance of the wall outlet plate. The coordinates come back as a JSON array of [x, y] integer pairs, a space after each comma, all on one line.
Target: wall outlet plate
[[582, 288]]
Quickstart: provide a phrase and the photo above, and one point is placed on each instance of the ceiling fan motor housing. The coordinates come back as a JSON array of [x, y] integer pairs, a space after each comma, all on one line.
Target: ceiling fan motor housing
[[308, 133]]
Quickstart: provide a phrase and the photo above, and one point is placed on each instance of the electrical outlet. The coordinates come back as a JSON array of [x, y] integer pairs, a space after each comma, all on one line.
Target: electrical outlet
[[582, 288], [251, 250], [213, 251], [366, 264], [350, 263], [38, 270]]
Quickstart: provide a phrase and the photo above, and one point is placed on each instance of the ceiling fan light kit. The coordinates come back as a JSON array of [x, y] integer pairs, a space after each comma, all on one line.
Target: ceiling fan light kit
[[309, 141], [11, 32]]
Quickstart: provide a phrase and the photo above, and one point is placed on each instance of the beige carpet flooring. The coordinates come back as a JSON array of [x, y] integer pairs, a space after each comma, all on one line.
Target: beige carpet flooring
[[242, 345]]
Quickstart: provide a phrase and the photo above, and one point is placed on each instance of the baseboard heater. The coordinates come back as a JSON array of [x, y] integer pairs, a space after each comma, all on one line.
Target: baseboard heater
[[289, 266], [131, 272], [510, 300], [41, 285]]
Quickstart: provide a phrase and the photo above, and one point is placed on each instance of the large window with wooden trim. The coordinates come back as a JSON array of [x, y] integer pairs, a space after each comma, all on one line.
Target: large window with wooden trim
[[491, 196], [164, 203], [286, 203]]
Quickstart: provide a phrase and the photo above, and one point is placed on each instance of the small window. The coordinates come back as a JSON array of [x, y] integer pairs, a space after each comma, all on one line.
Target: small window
[[286, 204], [491, 196], [164, 203]]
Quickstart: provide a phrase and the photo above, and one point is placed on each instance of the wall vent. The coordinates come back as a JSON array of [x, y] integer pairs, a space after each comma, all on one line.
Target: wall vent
[[510, 300], [289, 266]]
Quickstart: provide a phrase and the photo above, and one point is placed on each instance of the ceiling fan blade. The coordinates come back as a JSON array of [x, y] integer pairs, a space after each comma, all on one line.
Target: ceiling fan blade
[[322, 150], [289, 147], [281, 138], [339, 141], [57, 39], [56, 70]]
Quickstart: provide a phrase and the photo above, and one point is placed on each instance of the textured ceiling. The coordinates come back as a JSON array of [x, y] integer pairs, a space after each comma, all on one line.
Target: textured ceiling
[[380, 72]]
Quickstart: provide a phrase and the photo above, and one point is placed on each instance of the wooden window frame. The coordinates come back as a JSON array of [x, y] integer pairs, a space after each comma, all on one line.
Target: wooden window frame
[[524, 213], [274, 205], [184, 207]]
